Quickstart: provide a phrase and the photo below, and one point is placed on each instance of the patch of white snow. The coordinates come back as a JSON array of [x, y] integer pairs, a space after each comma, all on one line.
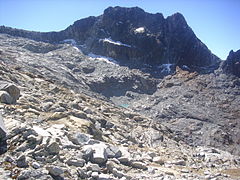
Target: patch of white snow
[[103, 58], [118, 43], [139, 30], [70, 41], [41, 131], [186, 67], [165, 68]]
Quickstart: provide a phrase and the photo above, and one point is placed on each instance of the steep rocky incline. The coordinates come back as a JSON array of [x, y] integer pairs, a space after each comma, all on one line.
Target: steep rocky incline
[[65, 126], [232, 64], [134, 38]]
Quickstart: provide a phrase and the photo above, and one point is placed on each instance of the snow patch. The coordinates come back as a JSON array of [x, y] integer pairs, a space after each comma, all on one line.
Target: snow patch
[[70, 41], [185, 67], [139, 30], [41, 131], [73, 43], [118, 43], [76, 48], [165, 68], [103, 58]]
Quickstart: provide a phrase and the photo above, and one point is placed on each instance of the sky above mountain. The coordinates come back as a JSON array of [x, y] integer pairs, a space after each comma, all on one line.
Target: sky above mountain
[[215, 22]]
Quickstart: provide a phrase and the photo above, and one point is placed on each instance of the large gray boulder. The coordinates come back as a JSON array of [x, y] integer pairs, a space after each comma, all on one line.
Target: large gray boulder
[[11, 90], [5, 97]]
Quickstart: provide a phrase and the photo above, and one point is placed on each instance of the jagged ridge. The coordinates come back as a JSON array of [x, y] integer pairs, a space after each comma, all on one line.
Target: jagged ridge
[[134, 37]]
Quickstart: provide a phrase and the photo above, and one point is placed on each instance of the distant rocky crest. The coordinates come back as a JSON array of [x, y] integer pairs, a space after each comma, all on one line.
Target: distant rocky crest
[[232, 64], [134, 38]]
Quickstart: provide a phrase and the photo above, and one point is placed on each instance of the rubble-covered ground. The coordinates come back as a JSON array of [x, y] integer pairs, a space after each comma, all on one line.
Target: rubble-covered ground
[[61, 128]]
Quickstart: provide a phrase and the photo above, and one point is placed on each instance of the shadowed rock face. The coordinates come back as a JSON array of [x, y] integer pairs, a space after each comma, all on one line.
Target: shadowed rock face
[[232, 64], [134, 37]]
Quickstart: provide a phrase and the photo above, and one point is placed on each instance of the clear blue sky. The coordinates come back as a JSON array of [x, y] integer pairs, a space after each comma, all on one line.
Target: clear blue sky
[[215, 22]]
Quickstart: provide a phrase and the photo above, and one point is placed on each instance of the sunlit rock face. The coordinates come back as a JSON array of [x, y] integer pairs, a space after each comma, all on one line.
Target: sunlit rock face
[[135, 38]]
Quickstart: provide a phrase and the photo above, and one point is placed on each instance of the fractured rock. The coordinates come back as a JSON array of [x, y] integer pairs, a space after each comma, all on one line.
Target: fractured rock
[[79, 138], [95, 175], [139, 165], [232, 64], [82, 173], [53, 148], [117, 173], [113, 152], [32, 174], [5, 97], [3, 130], [87, 153], [12, 90], [75, 162], [104, 177], [22, 162], [158, 160], [98, 152], [54, 170]]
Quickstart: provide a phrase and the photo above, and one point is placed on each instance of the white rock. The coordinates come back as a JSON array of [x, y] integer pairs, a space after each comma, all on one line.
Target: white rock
[[104, 177], [36, 165], [126, 157], [99, 152], [40, 131], [95, 175], [158, 160]]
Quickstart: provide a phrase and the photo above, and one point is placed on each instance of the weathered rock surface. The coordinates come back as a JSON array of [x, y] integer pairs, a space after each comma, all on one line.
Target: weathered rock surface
[[232, 64], [9, 93]]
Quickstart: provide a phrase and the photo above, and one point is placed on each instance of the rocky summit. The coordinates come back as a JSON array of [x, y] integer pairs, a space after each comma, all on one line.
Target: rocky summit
[[134, 38], [125, 95]]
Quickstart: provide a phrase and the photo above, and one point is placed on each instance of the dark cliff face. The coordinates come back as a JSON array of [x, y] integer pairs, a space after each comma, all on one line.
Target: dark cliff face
[[149, 38], [232, 64], [133, 37]]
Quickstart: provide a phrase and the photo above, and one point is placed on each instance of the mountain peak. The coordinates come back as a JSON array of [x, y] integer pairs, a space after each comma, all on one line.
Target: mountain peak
[[134, 37], [118, 9], [232, 64]]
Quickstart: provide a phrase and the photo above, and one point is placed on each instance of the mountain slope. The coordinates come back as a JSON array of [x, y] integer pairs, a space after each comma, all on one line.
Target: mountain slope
[[55, 131], [127, 94]]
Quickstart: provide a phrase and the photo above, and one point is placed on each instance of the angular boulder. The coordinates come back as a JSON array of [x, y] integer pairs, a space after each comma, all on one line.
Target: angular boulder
[[99, 155], [11, 90], [98, 152], [5, 97]]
